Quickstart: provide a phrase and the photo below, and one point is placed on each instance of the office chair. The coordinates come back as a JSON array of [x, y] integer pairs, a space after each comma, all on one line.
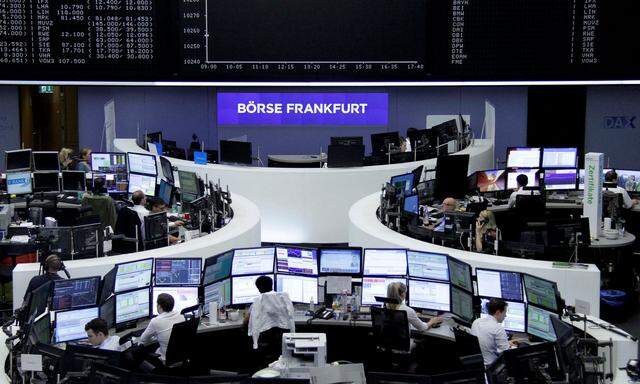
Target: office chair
[[468, 350], [107, 374], [392, 338], [530, 210], [180, 348], [612, 204], [128, 237], [143, 378]]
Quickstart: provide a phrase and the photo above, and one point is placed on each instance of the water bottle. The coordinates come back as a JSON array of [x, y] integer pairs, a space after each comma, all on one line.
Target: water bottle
[[312, 306]]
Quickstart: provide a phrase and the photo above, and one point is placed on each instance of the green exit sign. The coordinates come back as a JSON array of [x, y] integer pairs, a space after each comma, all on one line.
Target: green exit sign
[[46, 89]]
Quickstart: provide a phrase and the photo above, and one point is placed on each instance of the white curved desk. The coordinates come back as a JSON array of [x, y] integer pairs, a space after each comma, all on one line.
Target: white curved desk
[[309, 205], [365, 230], [241, 232]]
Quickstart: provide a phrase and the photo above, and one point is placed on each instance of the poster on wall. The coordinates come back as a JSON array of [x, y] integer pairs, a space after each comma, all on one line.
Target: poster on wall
[[109, 125], [335, 109]]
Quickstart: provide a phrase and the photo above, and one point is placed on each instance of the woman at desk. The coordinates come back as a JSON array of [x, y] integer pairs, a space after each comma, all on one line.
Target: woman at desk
[[398, 292], [486, 231]]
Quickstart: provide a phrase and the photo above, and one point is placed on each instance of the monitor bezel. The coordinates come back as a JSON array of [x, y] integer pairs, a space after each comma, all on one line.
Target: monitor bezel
[[500, 271], [116, 266], [52, 153], [155, 275], [56, 282], [316, 278], [73, 190], [148, 155], [446, 256], [358, 274], [526, 311], [408, 299], [524, 287], [6, 154], [509, 149], [364, 259], [277, 271], [115, 311], [254, 273], [215, 257], [55, 324], [574, 166], [155, 186]]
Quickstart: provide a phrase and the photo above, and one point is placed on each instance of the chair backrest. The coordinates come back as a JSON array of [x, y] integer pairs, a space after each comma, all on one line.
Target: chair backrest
[[530, 205], [181, 342], [391, 329], [468, 348], [127, 222], [612, 204], [107, 374]]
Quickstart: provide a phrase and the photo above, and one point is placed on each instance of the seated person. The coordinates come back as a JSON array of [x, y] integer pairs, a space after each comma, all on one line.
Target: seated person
[[612, 177], [522, 181], [159, 206], [398, 291], [139, 200], [448, 205], [98, 335], [101, 203], [160, 327], [52, 265], [84, 163], [271, 313], [490, 333], [486, 231]]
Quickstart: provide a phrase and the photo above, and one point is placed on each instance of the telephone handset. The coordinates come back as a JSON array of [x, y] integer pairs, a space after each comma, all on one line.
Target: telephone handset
[[323, 313]]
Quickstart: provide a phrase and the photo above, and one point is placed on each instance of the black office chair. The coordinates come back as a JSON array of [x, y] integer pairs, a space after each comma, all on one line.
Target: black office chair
[[107, 374], [180, 349], [392, 338], [269, 347], [612, 204], [530, 210], [468, 350], [143, 378], [128, 237]]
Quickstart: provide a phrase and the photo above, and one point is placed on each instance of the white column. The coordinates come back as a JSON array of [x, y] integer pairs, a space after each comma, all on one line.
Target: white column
[[592, 208]]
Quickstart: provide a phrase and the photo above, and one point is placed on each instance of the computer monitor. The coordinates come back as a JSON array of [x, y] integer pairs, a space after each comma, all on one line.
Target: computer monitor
[[251, 261], [462, 304], [539, 323], [422, 139], [155, 148], [429, 295], [451, 176], [107, 285], [629, 180], [403, 182], [141, 163], [340, 261], [114, 183], [184, 297], [109, 162], [527, 363], [154, 137], [301, 289], [46, 161], [165, 192], [41, 330], [19, 183], [156, 229], [167, 169], [567, 233], [581, 174], [428, 265], [217, 268], [235, 152], [46, 182], [132, 305], [144, 183], [503, 284], [74, 181], [218, 292], [411, 205], [377, 286], [189, 183], [385, 262], [559, 158], [343, 156], [69, 325], [108, 311], [183, 271], [347, 140], [460, 274], [516, 314], [532, 175], [133, 275], [380, 142], [492, 180], [298, 261], [523, 157], [87, 240], [244, 290], [560, 179], [75, 293], [39, 300], [540, 292], [18, 160]]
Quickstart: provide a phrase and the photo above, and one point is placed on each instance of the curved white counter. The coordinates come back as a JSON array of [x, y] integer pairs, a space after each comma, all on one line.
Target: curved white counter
[[309, 205], [241, 232], [365, 230]]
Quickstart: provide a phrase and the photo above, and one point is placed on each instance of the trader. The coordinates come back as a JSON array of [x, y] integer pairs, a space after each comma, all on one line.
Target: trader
[[270, 315], [84, 164], [522, 181], [612, 177], [486, 231], [491, 335], [52, 265], [398, 292], [98, 335], [160, 327], [448, 205]]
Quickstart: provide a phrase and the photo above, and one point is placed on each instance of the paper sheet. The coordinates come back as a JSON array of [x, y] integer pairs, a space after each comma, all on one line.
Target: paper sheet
[[338, 285]]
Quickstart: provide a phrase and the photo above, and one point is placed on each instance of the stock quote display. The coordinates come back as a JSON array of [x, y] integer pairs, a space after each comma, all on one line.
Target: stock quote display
[[309, 40]]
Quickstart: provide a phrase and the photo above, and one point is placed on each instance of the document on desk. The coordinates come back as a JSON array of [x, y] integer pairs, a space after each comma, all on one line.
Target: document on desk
[[338, 284], [345, 373], [21, 239]]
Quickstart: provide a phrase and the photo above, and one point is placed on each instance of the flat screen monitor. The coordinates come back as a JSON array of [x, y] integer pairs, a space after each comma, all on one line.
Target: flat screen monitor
[[75, 293], [167, 169], [39, 301], [217, 268], [521, 157], [347, 140], [629, 180], [581, 178], [133, 275], [218, 292], [503, 284], [451, 176], [155, 148], [251, 261], [540, 292], [19, 183], [492, 180], [427, 265], [69, 325], [385, 262], [46, 161], [462, 304], [181, 271], [144, 183], [200, 157], [301, 289], [429, 295], [184, 297], [380, 143], [117, 183], [559, 157], [41, 329], [560, 179], [108, 311], [109, 162], [141, 163], [165, 192], [299, 261], [516, 314], [133, 305], [244, 290], [74, 181], [46, 182], [460, 274], [403, 182], [18, 160], [411, 204], [189, 183], [377, 286], [235, 152], [539, 323], [532, 175], [343, 156], [340, 261]]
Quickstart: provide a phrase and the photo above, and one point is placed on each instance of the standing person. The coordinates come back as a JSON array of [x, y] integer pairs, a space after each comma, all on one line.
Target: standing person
[[490, 333]]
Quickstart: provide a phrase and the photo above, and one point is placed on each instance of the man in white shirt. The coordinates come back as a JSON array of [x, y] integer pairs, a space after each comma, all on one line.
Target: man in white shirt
[[490, 333], [270, 310], [522, 181], [160, 327], [98, 335], [612, 177], [139, 206]]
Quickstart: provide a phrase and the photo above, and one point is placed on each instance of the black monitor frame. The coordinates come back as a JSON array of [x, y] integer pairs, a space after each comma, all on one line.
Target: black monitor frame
[[273, 269], [171, 193], [55, 323], [380, 141], [235, 152], [145, 155], [364, 253], [53, 155], [510, 149], [210, 261], [133, 262], [357, 274], [522, 295], [463, 264], [75, 174], [167, 169], [110, 302], [459, 315], [285, 246], [96, 282], [155, 272], [555, 286], [45, 177], [526, 310], [129, 321], [18, 152]]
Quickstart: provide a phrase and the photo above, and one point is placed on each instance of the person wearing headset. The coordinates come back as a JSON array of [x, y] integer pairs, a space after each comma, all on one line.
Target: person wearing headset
[[486, 231], [52, 265]]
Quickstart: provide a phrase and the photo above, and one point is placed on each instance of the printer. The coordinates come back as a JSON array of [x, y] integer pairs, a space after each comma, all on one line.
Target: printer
[[301, 352]]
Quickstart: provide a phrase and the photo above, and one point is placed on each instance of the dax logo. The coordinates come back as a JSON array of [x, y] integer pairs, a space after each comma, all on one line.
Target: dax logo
[[18, 181], [619, 122]]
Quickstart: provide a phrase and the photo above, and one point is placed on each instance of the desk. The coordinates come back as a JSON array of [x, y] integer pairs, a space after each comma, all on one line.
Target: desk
[[603, 242], [297, 161]]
